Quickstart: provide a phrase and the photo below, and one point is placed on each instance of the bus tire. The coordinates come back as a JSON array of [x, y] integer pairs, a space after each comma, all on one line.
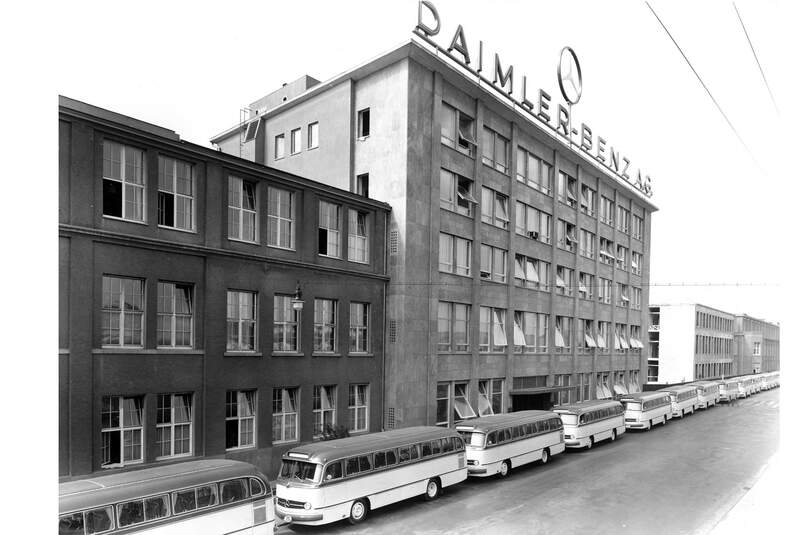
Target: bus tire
[[650, 424], [683, 413], [590, 444], [433, 489], [545, 455], [613, 435], [505, 468], [665, 420], [358, 511]]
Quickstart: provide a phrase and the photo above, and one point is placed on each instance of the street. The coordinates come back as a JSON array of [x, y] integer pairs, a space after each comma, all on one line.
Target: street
[[676, 479]]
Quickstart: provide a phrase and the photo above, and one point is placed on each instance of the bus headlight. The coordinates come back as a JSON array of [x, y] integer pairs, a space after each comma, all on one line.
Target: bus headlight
[[307, 506]]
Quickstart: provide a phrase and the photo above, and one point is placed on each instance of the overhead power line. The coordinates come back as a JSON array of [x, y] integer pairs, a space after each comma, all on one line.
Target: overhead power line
[[730, 124], [763, 76]]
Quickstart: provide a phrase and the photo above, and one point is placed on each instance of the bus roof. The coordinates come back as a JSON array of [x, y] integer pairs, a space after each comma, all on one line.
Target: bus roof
[[678, 388], [105, 489], [487, 423], [644, 396], [586, 406], [324, 451]]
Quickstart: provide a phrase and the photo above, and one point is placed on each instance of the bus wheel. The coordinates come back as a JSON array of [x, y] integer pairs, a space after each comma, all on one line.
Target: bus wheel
[[650, 424], [590, 444], [683, 413], [505, 467], [613, 435], [545, 456], [358, 511], [665, 419], [433, 489]]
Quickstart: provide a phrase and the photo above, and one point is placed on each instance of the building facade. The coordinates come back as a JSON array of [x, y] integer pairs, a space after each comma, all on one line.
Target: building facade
[[756, 345], [518, 268], [197, 318], [690, 342]]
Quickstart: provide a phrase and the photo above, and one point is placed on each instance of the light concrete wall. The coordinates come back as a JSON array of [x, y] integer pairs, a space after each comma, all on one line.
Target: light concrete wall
[[676, 346]]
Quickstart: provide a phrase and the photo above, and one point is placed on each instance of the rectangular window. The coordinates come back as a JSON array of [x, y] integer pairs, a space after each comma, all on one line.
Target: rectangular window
[[495, 150], [455, 193], [566, 236], [359, 327], [603, 331], [534, 171], [565, 282], [533, 223], [493, 263], [492, 330], [621, 338], [175, 193], [241, 318], [313, 135], [123, 312], [453, 327], [622, 257], [586, 286], [454, 254], [604, 291], [296, 140], [285, 423], [124, 179], [494, 208], [328, 242], [530, 332], [362, 185], [121, 420], [606, 210], [636, 263], [461, 407], [357, 239], [490, 396], [458, 130], [638, 227], [325, 313], [636, 304], [563, 333], [280, 146], [363, 123], [623, 219], [563, 395], [622, 295], [175, 314], [174, 425], [324, 410], [587, 243], [531, 273], [286, 325], [280, 218], [566, 189], [607, 251], [636, 337], [242, 219], [585, 340], [588, 200], [358, 408], [443, 404]]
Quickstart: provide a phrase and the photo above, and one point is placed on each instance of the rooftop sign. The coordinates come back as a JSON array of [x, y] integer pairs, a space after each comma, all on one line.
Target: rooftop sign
[[570, 82]]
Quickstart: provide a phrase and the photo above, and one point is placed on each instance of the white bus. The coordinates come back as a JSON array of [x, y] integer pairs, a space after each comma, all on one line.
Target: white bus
[[643, 409], [591, 421], [327, 481], [683, 399], [210, 496], [707, 393], [499, 442], [728, 389], [745, 386]]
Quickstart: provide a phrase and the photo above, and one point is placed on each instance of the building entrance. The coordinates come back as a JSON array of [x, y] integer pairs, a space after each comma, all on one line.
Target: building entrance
[[526, 402]]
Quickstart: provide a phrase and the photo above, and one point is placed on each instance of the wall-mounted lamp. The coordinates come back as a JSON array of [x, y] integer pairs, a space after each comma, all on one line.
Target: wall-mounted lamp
[[297, 302]]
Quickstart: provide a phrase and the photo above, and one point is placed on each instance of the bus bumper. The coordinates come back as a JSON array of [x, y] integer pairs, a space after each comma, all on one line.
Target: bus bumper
[[635, 425], [476, 470], [299, 517]]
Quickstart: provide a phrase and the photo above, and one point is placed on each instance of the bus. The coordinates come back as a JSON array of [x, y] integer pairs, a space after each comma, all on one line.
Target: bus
[[499, 442], [707, 393], [642, 409], [208, 496], [745, 386], [331, 480], [728, 389], [683, 399], [591, 421]]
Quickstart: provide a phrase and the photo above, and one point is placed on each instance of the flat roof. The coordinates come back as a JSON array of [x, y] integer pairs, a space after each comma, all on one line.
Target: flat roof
[[580, 408], [509, 418]]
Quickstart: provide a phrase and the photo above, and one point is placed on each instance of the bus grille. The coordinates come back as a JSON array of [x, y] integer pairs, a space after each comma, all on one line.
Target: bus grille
[[630, 419], [291, 504]]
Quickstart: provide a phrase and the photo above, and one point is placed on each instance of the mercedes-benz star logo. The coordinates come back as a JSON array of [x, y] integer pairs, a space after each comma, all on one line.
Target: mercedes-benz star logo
[[570, 79]]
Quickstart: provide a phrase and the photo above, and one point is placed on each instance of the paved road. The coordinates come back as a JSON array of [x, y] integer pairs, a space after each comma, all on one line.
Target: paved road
[[677, 479]]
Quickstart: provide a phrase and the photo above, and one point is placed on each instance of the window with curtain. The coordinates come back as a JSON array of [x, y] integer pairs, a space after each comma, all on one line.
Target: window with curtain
[[121, 421], [325, 316], [242, 215], [285, 423], [328, 233], [280, 218], [175, 193], [358, 408], [240, 419], [492, 330], [123, 181], [286, 324], [357, 241], [241, 320], [122, 312], [174, 425], [359, 327], [175, 315], [324, 409]]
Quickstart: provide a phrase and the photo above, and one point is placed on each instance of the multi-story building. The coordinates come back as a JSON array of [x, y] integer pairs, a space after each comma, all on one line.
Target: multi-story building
[[689, 342], [518, 266], [209, 306], [756, 345]]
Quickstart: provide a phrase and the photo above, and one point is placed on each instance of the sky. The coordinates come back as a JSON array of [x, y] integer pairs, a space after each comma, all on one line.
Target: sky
[[723, 236]]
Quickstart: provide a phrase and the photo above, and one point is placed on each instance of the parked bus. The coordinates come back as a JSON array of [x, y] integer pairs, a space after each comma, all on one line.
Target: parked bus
[[707, 393], [591, 421], [642, 409], [327, 481], [200, 497], [499, 442], [728, 389], [683, 399], [745, 386]]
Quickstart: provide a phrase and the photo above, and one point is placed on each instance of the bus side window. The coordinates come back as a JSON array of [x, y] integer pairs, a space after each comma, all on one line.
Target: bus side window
[[491, 438], [391, 457], [458, 444], [529, 429], [233, 490], [414, 451], [405, 456], [515, 433], [352, 466], [436, 446], [130, 513], [426, 449], [183, 501], [333, 471], [447, 445], [99, 520], [380, 460], [256, 487], [364, 463], [507, 434], [582, 419], [70, 524], [156, 507], [206, 496]]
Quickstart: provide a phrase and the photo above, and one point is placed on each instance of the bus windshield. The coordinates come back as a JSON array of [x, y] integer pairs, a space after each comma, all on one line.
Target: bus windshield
[[633, 405], [301, 470], [569, 419], [473, 438]]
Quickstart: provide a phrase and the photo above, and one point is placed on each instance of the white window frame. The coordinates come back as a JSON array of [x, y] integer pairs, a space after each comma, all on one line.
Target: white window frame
[[587, 243], [450, 318], [588, 202], [283, 416], [360, 123], [606, 211], [462, 410], [495, 328], [492, 161], [122, 428], [172, 424], [172, 189], [488, 392], [451, 246], [328, 336], [355, 409], [586, 285], [296, 141], [172, 314], [240, 321], [238, 212], [565, 195], [446, 399], [123, 311], [358, 239], [494, 208], [359, 327], [464, 142], [313, 135], [324, 409], [492, 272], [330, 232], [280, 146], [278, 220], [281, 343], [543, 171], [127, 182]]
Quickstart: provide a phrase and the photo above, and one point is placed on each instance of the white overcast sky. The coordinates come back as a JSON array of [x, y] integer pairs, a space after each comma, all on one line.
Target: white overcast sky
[[190, 66]]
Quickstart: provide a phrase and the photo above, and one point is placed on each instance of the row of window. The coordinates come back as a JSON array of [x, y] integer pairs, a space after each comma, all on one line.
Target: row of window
[[123, 421], [124, 182], [458, 132], [712, 345], [707, 370], [296, 140], [530, 334], [123, 319], [712, 321]]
